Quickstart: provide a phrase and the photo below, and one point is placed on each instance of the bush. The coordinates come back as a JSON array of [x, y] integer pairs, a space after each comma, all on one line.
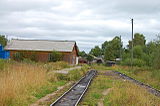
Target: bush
[[74, 75], [2, 64], [136, 62], [30, 56], [156, 60], [18, 56], [55, 56], [56, 65]]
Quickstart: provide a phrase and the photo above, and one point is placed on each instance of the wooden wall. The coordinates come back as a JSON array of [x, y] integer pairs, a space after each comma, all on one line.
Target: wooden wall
[[43, 56]]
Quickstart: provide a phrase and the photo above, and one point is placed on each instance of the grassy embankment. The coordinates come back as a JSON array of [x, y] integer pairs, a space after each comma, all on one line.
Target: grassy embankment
[[111, 91], [23, 83]]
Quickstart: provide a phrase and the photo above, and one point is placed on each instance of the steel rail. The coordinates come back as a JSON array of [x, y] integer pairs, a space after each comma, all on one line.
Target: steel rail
[[151, 89], [84, 78]]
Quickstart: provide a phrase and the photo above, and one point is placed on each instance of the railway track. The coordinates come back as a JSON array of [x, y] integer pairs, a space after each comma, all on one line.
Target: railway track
[[152, 90], [73, 96]]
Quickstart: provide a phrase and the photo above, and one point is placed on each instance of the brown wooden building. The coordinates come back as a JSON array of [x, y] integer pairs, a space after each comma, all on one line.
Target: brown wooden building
[[43, 48]]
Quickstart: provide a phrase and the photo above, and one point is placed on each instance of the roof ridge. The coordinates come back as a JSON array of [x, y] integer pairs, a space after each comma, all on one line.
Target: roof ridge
[[44, 40]]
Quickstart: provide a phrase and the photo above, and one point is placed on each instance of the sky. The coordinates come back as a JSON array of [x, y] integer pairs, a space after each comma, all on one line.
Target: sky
[[88, 22]]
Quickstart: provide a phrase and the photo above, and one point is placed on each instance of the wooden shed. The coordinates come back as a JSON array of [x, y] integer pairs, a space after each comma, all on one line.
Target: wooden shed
[[43, 48]]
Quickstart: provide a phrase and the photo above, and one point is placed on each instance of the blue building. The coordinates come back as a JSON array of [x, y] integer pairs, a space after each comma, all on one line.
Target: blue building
[[4, 54]]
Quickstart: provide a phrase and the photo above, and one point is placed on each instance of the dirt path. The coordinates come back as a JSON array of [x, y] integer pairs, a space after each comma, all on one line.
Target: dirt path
[[66, 71], [105, 92], [48, 98]]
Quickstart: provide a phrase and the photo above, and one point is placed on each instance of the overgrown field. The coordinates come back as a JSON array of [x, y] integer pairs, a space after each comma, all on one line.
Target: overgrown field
[[147, 75], [23, 83], [109, 90], [144, 74]]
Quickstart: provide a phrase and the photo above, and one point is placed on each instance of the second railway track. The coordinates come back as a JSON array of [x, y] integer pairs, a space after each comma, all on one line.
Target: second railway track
[[75, 93]]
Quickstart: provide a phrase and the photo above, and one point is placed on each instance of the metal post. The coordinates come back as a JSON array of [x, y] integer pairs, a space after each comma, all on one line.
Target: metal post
[[120, 49], [132, 46]]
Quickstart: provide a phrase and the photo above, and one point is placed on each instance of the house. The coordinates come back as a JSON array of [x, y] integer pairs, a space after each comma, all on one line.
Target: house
[[43, 48]]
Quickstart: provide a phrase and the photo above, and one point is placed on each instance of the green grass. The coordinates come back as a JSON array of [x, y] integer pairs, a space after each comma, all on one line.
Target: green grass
[[23, 83], [144, 74], [122, 93], [49, 88], [94, 94]]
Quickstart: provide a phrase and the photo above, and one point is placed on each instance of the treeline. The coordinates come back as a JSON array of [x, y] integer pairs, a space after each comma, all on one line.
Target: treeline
[[144, 54]]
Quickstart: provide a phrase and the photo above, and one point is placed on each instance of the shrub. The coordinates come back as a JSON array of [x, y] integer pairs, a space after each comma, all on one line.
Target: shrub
[[136, 62], [18, 56], [2, 64], [61, 76], [74, 75], [55, 56], [156, 59], [30, 56], [56, 65], [28, 61]]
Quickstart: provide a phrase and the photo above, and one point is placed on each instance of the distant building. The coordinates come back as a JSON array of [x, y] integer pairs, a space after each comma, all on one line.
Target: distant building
[[43, 48], [82, 60]]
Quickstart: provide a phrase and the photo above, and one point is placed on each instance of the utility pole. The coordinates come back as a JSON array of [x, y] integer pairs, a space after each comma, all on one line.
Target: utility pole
[[120, 51], [132, 46]]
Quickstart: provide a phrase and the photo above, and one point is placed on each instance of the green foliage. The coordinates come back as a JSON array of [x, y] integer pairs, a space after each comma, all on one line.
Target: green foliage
[[18, 56], [97, 95], [2, 64], [82, 54], [30, 55], [136, 62], [139, 40], [55, 56], [104, 45], [112, 49], [74, 75], [96, 51], [89, 57], [43, 91], [156, 74], [61, 76], [26, 56], [156, 59], [3, 40], [138, 52], [144, 54]]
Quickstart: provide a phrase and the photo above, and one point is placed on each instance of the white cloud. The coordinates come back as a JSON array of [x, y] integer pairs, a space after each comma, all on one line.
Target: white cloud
[[89, 22]]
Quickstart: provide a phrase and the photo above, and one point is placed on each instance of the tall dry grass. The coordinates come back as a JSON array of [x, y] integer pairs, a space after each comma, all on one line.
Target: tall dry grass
[[129, 94], [23, 83], [16, 81]]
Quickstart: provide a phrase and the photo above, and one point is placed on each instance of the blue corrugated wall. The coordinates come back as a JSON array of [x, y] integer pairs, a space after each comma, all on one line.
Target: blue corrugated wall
[[4, 54]]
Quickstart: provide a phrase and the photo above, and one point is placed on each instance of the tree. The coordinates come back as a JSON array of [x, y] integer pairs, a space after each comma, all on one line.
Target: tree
[[138, 52], [156, 54], [82, 54], [112, 48], [3, 40], [55, 56], [104, 45], [96, 51], [139, 39], [89, 57]]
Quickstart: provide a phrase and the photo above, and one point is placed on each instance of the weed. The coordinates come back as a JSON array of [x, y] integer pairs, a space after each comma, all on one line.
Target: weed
[[2, 64]]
